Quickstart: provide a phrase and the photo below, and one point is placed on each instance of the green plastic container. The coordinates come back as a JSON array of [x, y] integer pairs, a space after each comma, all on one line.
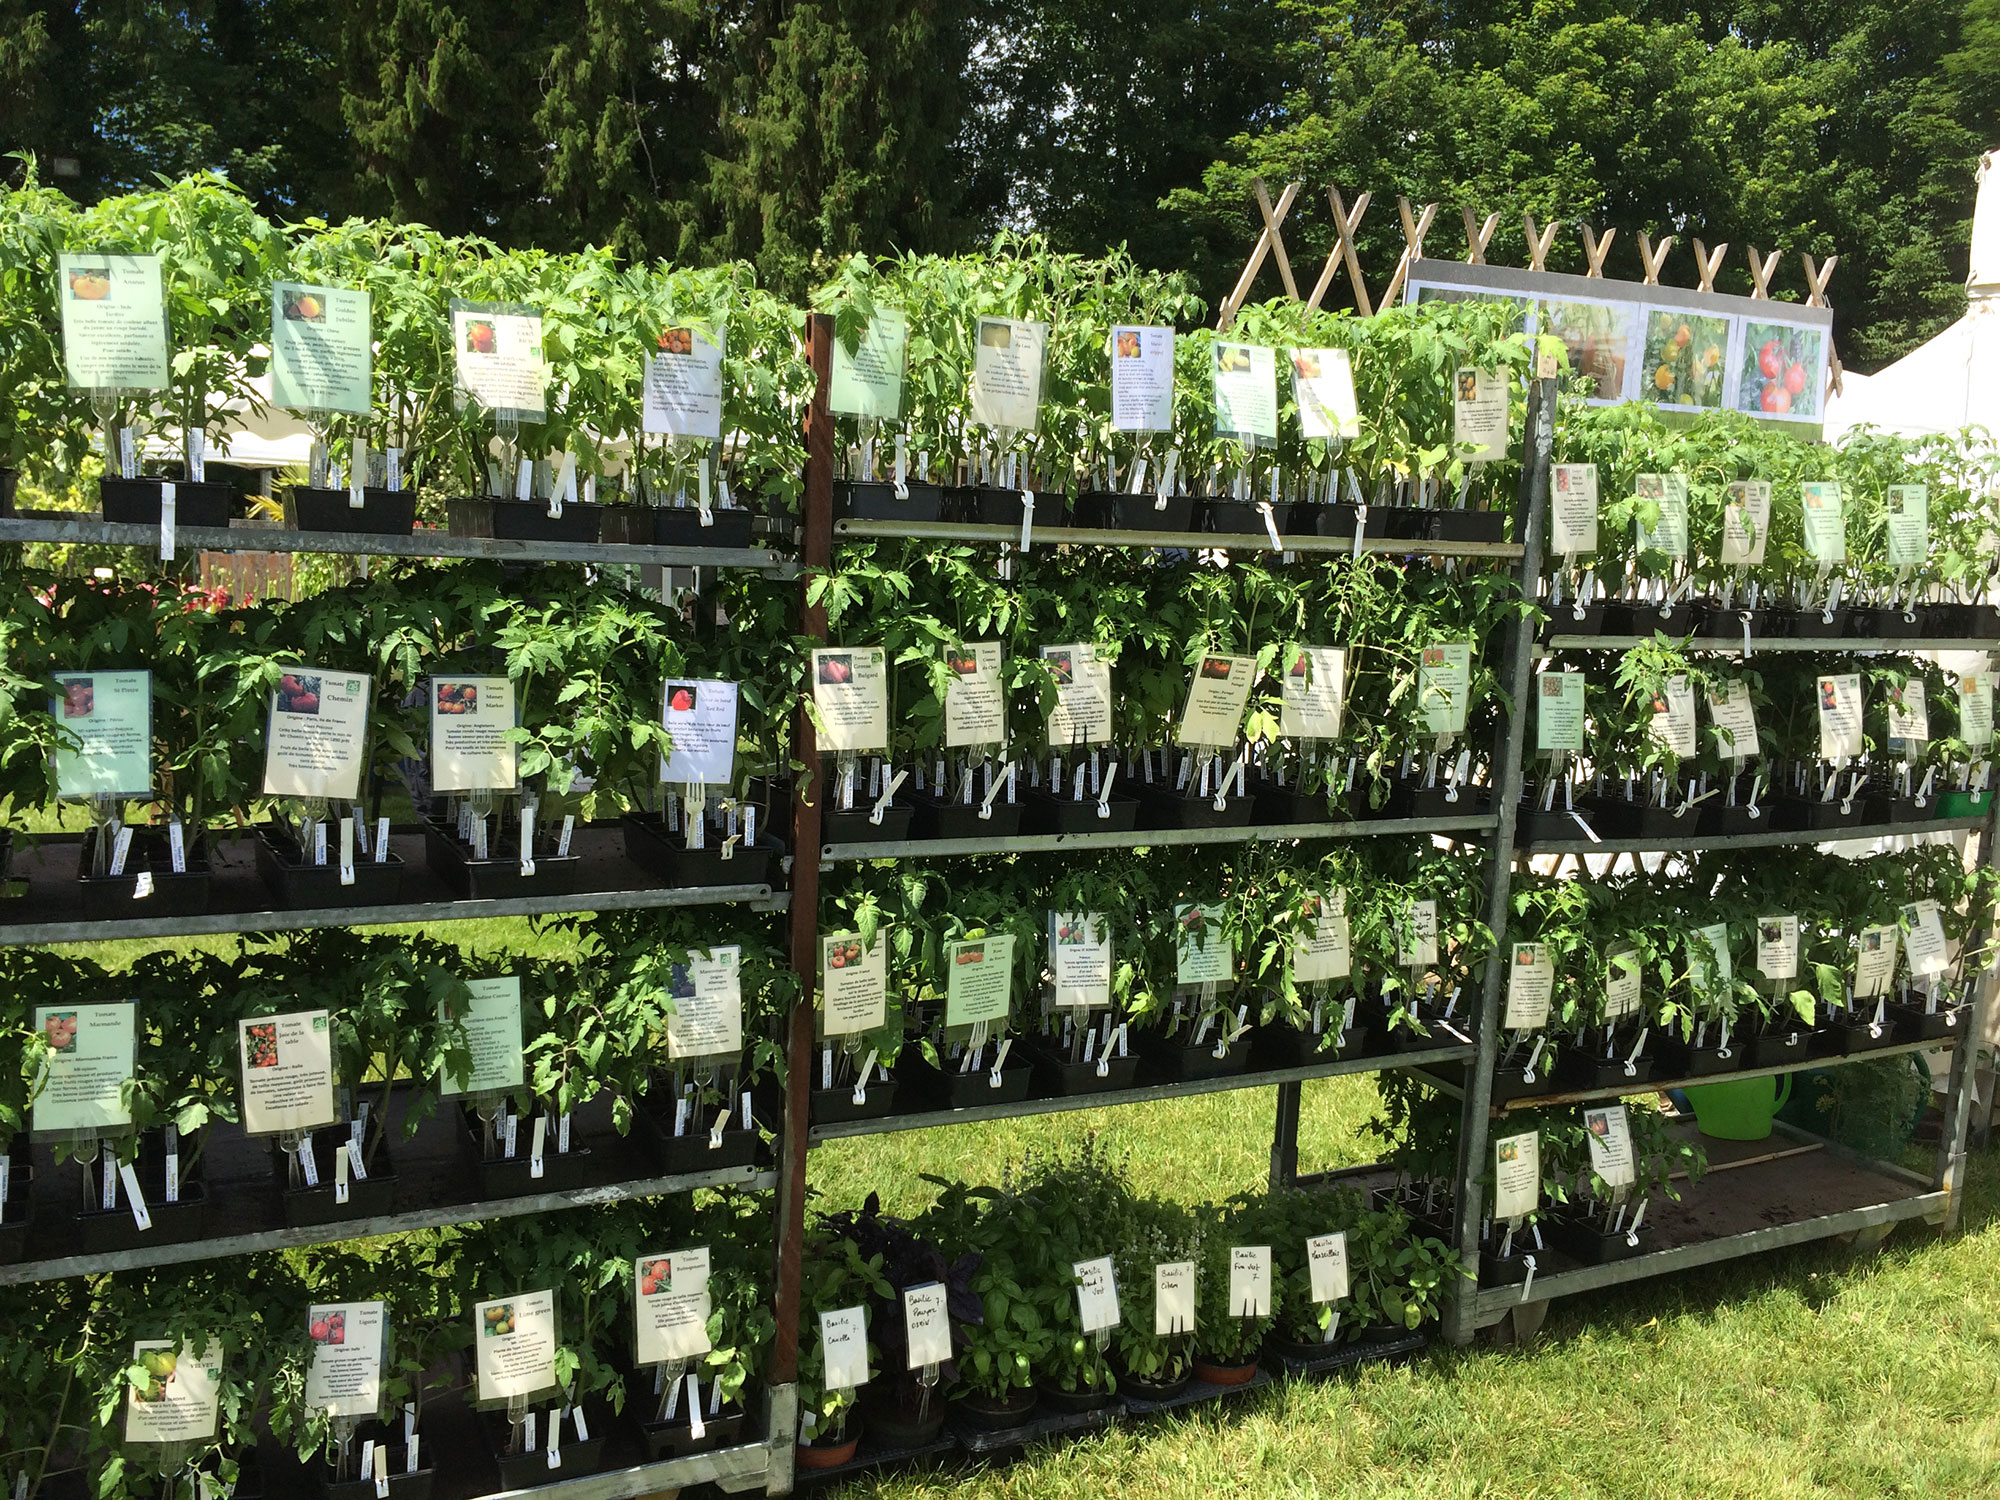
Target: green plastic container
[[1964, 804], [1739, 1109]]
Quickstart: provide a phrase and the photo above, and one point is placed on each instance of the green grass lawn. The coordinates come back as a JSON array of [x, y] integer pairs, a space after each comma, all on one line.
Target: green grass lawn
[[1813, 1372]]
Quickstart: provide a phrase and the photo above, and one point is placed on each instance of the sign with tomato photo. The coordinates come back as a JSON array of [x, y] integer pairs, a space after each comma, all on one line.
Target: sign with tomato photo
[[1683, 362], [345, 1376], [89, 1063], [670, 1310], [316, 738], [978, 980], [1782, 372], [854, 978], [321, 354], [700, 720], [114, 321], [470, 720]]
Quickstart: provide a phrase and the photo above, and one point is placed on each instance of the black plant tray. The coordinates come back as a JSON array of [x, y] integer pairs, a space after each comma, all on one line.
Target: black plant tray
[[680, 526], [522, 520], [1679, 1059], [1468, 526], [381, 513], [1175, 1061], [1915, 1024], [136, 502], [937, 818], [1887, 810], [1582, 1240], [16, 1209], [1323, 1359], [402, 1486], [1042, 813], [680, 1155], [649, 845], [1777, 1046], [513, 1176], [1101, 510], [1289, 1047], [106, 1231], [947, 1088], [1533, 826], [370, 1197], [1275, 805], [676, 1439], [1510, 1083], [854, 828], [875, 500], [831, 1106], [303, 887], [1338, 520], [989, 1422], [1719, 818], [1056, 1076], [521, 1471], [500, 877], [1163, 807], [1243, 518], [989, 505], [1435, 802], [1580, 1070], [1846, 1038], [109, 897]]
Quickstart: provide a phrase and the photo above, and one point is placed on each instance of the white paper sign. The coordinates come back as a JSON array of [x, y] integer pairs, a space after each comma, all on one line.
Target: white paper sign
[[1080, 959], [869, 381], [671, 1306], [114, 321], [492, 1024], [1673, 722], [1517, 1175], [1007, 373], [345, 1376], [1246, 392], [856, 984], [1573, 509], [1559, 712], [316, 744], [707, 993], [1479, 415], [1326, 1266], [1735, 720], [926, 1324], [1417, 935], [1142, 379], [1875, 962], [1444, 686], [1218, 694], [1325, 954], [700, 720], [470, 720], [1531, 984], [975, 703], [1096, 1293], [843, 1342], [1840, 716], [1203, 954], [498, 354], [1173, 1298], [111, 715], [90, 1057], [1621, 984], [1323, 389], [1608, 1131], [1778, 946], [683, 396], [1670, 493], [1909, 718], [851, 691], [287, 1072], [1909, 525], [1314, 692], [1924, 939], [514, 1345], [1249, 1281], [1082, 714], [1975, 708], [181, 1396], [1746, 523], [1825, 515]]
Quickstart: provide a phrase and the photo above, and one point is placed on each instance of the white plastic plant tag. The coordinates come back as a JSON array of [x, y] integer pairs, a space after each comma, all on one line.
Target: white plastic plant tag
[[177, 846], [308, 1162], [108, 1175], [843, 1339], [715, 1130], [1249, 1281], [568, 828], [926, 1324], [319, 843], [341, 1155], [380, 1468], [696, 1427], [1608, 1132], [121, 850], [1096, 1293], [1326, 1266], [1173, 1298], [861, 1078], [142, 886], [582, 1427], [510, 1133], [555, 1438], [529, 1437], [996, 1078], [357, 1165], [536, 1165], [167, 522], [347, 851], [134, 1197], [367, 1455]]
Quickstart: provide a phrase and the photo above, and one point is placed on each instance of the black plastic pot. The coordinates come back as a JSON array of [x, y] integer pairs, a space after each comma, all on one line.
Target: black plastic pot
[[1071, 1403], [514, 1176], [10, 486], [676, 1439], [519, 1471], [1776, 1046], [498, 877], [989, 505], [680, 526], [370, 1197], [981, 1415], [944, 818], [1580, 1070], [1847, 1037], [1468, 526], [1163, 807], [306, 887], [1278, 806], [106, 1231], [1289, 1047], [1043, 813], [136, 502], [382, 512], [890, 1425], [1885, 810], [1914, 1024], [830, 1106], [1100, 510], [875, 500], [1512, 1268], [522, 520], [1056, 1076], [111, 897], [1511, 1083], [651, 846], [402, 1486], [1175, 1061], [17, 1208], [947, 1088], [854, 827], [1679, 1059], [1154, 1390], [1401, 523], [1243, 518], [1339, 519], [1583, 1240], [1718, 818], [682, 1155]]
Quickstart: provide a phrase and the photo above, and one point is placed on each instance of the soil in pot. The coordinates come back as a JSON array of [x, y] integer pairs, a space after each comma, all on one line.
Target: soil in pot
[[1155, 1390], [1212, 1372]]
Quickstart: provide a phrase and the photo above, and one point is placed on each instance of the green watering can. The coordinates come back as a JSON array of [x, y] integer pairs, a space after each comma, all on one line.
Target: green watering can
[[1739, 1109]]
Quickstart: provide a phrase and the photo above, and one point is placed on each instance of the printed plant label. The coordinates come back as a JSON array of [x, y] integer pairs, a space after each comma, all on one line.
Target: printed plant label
[[111, 716], [287, 1072], [471, 718], [514, 1345]]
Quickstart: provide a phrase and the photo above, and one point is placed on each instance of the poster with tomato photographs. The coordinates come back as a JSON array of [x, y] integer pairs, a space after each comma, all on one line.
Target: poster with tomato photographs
[[470, 720], [671, 1307], [700, 720], [316, 740], [1599, 337], [90, 1057], [683, 394], [1685, 361], [497, 353], [287, 1072], [178, 1399], [345, 1376], [978, 980], [1782, 371]]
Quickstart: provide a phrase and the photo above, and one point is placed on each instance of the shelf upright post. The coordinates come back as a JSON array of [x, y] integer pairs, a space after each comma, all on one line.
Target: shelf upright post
[[815, 552], [1962, 1080], [1509, 749]]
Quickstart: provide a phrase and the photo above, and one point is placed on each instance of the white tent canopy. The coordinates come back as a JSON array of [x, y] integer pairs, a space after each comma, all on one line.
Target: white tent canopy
[[1954, 380]]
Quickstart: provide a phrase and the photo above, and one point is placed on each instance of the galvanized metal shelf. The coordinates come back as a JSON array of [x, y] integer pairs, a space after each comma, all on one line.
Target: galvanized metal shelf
[[731, 1469], [88, 530], [239, 898], [436, 1187], [1661, 1085], [1181, 541], [1769, 840], [1144, 1093], [1153, 838], [1760, 644], [1794, 1193]]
